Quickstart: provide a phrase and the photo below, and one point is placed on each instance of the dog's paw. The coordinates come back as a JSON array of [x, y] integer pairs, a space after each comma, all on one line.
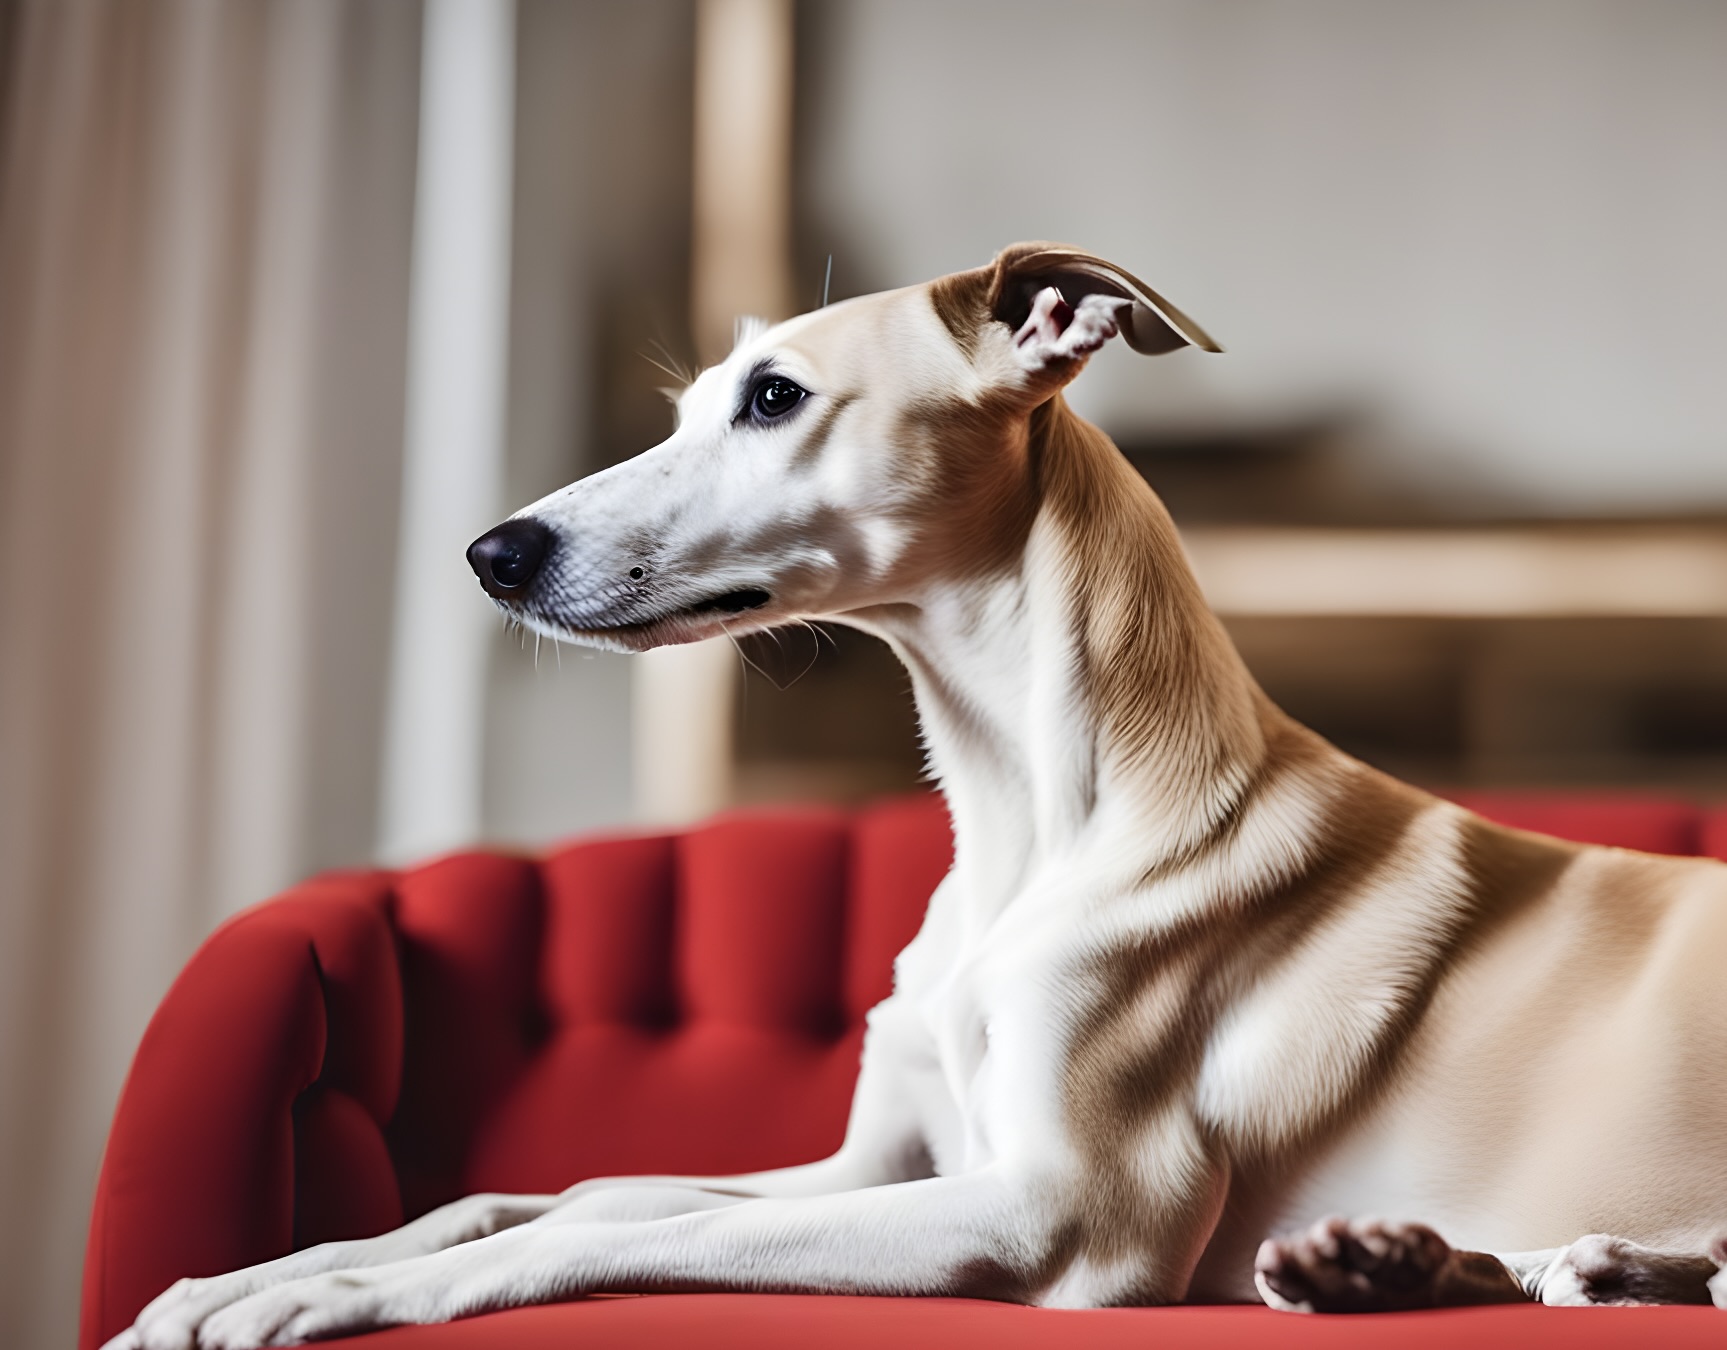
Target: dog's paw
[[1605, 1271], [1718, 1281], [1353, 1265], [1056, 332], [170, 1321], [337, 1303]]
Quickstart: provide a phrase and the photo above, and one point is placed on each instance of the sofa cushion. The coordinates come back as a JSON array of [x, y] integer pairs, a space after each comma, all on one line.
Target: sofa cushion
[[1620, 820], [786, 1322]]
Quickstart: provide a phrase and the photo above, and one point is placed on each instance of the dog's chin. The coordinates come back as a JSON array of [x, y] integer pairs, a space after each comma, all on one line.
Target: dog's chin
[[734, 614]]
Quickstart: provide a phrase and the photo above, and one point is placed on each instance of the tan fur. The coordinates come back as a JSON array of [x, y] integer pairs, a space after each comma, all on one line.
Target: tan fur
[[1181, 721], [977, 462], [1172, 697], [962, 302]]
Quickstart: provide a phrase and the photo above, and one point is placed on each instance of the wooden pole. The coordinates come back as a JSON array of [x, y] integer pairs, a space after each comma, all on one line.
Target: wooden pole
[[740, 265]]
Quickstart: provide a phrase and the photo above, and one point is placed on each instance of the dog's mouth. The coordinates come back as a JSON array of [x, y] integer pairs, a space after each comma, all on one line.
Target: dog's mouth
[[683, 624], [728, 602], [732, 602]]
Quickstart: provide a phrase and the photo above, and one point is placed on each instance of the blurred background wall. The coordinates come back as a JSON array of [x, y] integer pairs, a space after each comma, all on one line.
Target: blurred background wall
[[1490, 228], [1465, 257]]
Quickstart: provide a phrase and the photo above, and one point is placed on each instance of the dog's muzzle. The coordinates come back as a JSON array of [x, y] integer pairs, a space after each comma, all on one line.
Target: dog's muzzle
[[506, 558]]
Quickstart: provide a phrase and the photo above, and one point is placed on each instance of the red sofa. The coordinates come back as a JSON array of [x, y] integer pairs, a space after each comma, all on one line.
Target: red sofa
[[372, 1044]]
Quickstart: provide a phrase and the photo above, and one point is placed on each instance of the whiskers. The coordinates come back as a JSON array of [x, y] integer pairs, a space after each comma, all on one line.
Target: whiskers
[[515, 627], [660, 356], [816, 632]]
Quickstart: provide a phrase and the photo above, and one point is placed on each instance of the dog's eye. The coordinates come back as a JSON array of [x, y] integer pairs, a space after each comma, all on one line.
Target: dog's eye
[[775, 397]]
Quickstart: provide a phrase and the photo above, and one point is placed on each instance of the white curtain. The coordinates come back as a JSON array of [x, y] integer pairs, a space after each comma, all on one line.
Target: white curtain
[[205, 224], [453, 464]]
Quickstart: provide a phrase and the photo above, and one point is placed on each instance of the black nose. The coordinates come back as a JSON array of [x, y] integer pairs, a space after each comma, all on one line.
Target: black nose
[[506, 558]]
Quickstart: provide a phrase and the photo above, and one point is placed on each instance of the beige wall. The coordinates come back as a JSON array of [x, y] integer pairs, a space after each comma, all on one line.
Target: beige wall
[[1494, 228]]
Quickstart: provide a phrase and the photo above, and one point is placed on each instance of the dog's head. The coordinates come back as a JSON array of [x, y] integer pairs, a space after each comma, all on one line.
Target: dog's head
[[835, 462]]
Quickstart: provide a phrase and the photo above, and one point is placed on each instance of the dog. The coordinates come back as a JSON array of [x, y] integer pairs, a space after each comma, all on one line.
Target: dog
[[1196, 980]]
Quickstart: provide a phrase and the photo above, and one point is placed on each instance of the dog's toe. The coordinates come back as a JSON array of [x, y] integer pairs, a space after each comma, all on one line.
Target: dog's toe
[[1353, 1265], [1402, 1256], [170, 1320], [1280, 1278], [1308, 1271], [336, 1303]]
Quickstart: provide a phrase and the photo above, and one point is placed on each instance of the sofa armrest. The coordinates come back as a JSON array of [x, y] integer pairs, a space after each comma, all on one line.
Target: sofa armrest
[[251, 1122]]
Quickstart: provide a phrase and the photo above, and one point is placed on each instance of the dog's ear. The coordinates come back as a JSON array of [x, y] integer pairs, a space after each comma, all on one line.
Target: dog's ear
[[1148, 322]]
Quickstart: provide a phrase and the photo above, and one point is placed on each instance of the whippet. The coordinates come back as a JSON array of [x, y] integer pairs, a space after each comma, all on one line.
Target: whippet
[[1196, 978]]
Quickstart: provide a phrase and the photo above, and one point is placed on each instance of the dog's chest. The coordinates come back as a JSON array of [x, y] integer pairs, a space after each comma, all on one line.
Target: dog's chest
[[984, 1024], [955, 1013]]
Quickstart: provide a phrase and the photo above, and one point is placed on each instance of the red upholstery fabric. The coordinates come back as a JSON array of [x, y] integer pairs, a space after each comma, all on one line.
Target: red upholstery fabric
[[1649, 824], [1712, 842], [370, 1045], [280, 1042], [782, 1322]]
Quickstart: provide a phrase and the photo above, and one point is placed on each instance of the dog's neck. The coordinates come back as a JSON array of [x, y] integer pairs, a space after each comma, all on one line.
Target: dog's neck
[[1085, 692]]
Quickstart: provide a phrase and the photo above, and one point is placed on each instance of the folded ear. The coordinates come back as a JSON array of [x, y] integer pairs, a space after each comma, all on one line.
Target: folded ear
[[1148, 322]]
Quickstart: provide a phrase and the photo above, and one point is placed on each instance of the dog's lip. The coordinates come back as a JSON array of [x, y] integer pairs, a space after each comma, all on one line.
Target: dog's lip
[[725, 604], [732, 602]]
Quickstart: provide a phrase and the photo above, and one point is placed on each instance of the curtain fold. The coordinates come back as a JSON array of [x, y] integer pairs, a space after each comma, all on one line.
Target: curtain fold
[[205, 220]]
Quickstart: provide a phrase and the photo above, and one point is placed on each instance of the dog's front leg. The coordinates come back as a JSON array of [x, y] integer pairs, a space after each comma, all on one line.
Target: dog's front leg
[[984, 1234], [883, 1144], [867, 1159], [884, 1140], [170, 1321]]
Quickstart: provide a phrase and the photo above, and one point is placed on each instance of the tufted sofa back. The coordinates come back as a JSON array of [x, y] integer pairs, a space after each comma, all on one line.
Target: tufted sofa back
[[680, 1003], [370, 1045]]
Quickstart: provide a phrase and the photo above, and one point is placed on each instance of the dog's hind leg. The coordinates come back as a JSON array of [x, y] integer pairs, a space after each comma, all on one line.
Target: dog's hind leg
[[1368, 1265], [1371, 1265], [1604, 1271]]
